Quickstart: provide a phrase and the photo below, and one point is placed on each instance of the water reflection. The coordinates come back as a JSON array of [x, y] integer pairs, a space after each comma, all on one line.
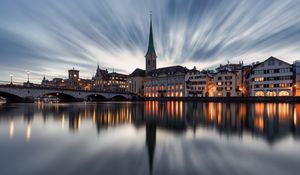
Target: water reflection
[[269, 121], [272, 121]]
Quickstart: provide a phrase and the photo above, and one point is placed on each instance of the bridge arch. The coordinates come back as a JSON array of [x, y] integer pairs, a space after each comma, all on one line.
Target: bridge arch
[[63, 97], [11, 98], [95, 97], [119, 97]]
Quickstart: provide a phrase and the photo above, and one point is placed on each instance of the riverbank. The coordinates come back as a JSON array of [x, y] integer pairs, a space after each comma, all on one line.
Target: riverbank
[[226, 99]]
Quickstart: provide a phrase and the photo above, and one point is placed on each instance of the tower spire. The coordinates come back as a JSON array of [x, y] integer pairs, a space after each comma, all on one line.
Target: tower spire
[[151, 54], [151, 48]]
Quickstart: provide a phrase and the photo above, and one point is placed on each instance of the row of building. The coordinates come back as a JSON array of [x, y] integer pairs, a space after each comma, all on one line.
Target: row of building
[[102, 81], [272, 77]]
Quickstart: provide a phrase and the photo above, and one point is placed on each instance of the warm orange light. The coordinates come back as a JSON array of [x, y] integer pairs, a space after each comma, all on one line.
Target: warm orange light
[[11, 129], [28, 132]]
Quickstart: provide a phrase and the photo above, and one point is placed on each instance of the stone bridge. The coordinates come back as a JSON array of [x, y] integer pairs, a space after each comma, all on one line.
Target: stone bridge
[[13, 93]]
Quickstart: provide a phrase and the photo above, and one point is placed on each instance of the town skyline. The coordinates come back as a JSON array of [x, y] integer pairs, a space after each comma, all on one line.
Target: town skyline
[[44, 50]]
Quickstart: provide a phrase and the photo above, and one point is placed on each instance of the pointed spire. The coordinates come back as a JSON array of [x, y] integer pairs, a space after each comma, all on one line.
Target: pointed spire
[[151, 49]]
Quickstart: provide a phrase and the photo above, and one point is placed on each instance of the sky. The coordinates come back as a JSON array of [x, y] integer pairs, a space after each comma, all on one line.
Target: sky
[[51, 36]]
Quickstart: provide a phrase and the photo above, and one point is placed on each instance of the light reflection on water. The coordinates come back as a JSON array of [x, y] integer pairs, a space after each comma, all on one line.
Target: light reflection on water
[[150, 138]]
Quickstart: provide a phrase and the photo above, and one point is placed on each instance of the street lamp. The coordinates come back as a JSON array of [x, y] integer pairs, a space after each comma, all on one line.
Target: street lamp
[[11, 79]]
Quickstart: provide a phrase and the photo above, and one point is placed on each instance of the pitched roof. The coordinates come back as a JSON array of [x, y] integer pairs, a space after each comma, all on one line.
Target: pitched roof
[[138, 73], [115, 74], [166, 70], [101, 73], [271, 57]]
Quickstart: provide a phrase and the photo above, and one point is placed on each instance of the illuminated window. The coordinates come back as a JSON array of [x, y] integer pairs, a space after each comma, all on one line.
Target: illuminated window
[[259, 93], [283, 93], [259, 79], [271, 93]]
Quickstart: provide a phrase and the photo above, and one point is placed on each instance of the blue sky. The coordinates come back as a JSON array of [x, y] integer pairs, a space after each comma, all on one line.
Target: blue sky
[[51, 36]]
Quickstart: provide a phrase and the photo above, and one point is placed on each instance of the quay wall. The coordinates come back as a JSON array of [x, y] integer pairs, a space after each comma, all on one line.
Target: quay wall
[[226, 99]]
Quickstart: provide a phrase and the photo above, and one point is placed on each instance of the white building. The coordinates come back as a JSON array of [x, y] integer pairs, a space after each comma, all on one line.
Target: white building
[[198, 83], [273, 77], [227, 83]]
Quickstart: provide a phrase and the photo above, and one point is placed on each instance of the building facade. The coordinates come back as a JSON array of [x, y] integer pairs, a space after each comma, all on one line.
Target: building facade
[[166, 82], [228, 81], [100, 79], [117, 82], [198, 83], [135, 82], [273, 77]]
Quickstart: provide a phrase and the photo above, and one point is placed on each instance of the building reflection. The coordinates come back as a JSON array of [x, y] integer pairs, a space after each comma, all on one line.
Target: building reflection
[[270, 121], [151, 141]]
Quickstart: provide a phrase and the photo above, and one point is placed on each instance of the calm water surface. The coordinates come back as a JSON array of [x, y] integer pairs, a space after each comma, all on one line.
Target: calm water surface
[[150, 138]]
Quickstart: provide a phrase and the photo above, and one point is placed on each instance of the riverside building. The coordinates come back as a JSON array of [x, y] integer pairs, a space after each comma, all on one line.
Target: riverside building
[[198, 83], [228, 81], [135, 82], [162, 82], [104, 81], [273, 77]]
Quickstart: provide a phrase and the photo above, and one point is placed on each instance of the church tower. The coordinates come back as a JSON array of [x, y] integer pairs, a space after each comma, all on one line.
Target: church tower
[[150, 55]]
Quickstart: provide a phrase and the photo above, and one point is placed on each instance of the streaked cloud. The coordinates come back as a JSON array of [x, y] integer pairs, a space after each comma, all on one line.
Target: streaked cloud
[[48, 37]]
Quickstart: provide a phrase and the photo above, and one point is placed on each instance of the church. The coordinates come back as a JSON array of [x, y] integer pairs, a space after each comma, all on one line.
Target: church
[[157, 82]]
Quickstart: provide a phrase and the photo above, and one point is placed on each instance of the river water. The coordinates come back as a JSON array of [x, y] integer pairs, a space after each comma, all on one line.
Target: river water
[[150, 138]]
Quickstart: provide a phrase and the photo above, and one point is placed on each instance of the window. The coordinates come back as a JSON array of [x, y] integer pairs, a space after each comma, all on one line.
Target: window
[[228, 88], [271, 62], [259, 79], [283, 93], [259, 72], [284, 70], [271, 93], [228, 77], [259, 93]]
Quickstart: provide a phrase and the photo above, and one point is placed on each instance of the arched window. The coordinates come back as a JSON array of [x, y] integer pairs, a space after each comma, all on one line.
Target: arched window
[[283, 93], [259, 94], [271, 93]]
